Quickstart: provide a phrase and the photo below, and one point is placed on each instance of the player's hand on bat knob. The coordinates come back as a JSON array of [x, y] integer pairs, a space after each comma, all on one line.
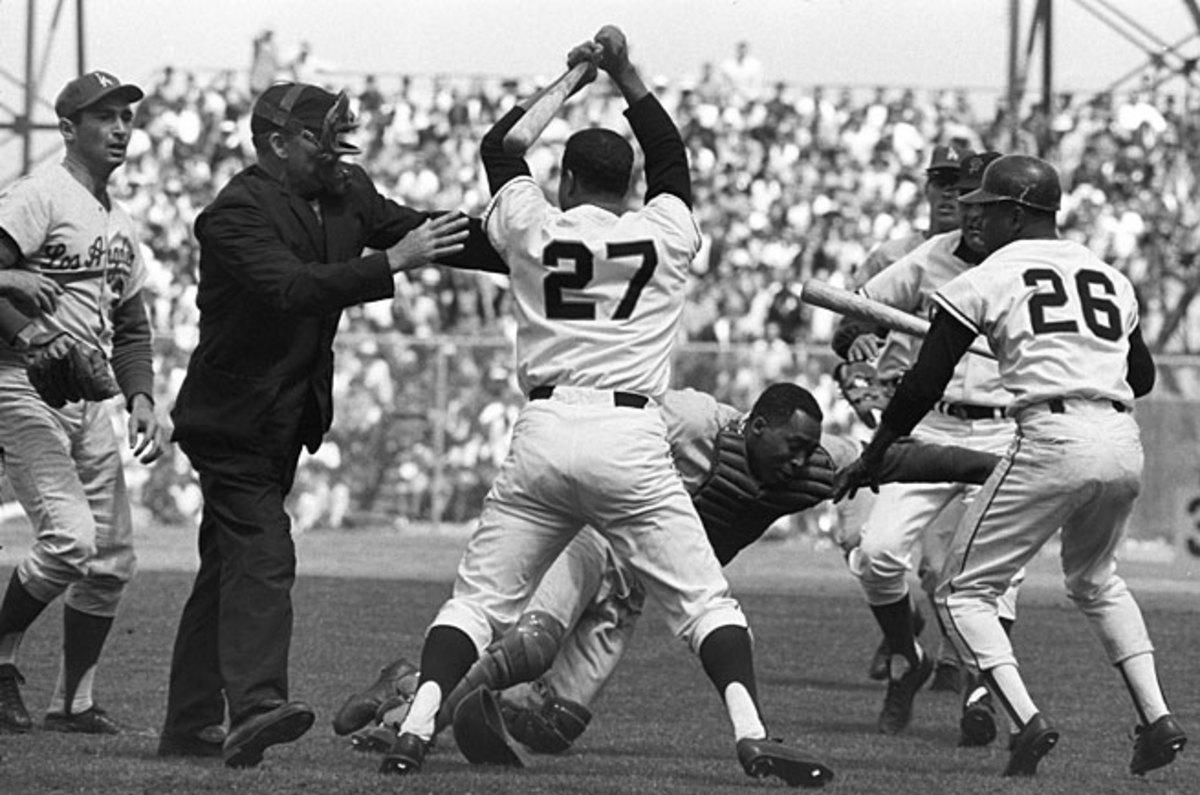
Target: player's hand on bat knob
[[588, 52], [614, 49]]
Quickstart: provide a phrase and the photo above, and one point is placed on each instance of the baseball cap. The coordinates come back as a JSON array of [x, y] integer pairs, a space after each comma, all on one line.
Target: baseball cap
[[947, 157], [970, 173], [90, 88], [291, 106]]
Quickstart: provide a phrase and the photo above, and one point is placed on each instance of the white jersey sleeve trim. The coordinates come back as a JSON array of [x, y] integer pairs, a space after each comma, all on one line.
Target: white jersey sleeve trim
[[954, 311]]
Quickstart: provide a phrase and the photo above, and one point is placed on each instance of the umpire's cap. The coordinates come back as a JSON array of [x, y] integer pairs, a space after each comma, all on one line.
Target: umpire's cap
[[1023, 179], [90, 88]]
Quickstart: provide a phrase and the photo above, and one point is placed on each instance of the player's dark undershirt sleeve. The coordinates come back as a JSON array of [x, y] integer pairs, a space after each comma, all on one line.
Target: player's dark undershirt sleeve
[[500, 165], [132, 359], [922, 386], [666, 156], [1140, 375]]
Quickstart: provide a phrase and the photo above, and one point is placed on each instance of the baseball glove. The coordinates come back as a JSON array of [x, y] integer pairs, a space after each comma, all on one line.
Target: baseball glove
[[66, 370], [862, 390]]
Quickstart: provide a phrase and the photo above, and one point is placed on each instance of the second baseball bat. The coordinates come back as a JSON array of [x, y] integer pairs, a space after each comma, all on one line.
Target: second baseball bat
[[843, 302], [538, 115]]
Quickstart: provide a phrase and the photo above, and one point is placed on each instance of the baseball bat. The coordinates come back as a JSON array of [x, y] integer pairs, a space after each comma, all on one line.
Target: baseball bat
[[844, 302], [538, 115]]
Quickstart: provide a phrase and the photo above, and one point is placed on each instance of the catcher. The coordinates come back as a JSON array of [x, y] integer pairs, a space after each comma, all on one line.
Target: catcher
[[59, 225], [744, 471]]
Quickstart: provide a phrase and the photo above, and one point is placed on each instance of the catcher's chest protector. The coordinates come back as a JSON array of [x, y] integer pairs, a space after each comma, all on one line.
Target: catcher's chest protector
[[734, 508]]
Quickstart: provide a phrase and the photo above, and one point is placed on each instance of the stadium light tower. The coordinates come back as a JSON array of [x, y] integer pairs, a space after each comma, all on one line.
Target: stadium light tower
[[22, 124]]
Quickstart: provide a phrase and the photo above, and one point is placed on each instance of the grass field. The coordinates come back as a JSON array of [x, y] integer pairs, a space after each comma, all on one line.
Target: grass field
[[365, 597]]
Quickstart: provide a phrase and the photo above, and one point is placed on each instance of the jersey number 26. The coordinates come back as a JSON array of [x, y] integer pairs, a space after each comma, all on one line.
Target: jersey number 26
[[1099, 313], [580, 256]]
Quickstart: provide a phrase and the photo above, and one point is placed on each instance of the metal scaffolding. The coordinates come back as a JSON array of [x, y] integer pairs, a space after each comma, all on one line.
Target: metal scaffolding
[[23, 123]]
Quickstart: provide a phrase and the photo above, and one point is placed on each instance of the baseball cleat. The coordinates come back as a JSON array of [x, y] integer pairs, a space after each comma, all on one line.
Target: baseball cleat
[[898, 703], [1155, 745], [398, 678], [92, 720], [1036, 739], [769, 757], [285, 723], [405, 756], [14, 717], [377, 739], [977, 726]]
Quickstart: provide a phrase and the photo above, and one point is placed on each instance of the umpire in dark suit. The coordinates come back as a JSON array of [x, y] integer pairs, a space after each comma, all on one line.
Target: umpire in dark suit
[[281, 254]]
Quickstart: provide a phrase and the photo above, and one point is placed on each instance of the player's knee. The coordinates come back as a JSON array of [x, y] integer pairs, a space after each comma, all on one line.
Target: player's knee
[[882, 564], [96, 596]]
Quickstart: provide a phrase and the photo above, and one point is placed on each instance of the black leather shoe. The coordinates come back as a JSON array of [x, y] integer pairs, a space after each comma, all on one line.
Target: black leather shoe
[[1156, 745], [406, 755], [898, 703], [14, 717], [768, 757], [207, 742], [283, 724], [1035, 740]]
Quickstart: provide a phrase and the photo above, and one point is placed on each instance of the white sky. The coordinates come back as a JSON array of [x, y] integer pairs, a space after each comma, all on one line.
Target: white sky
[[923, 43]]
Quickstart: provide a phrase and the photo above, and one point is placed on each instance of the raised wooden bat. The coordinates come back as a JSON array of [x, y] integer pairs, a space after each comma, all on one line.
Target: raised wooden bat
[[537, 116], [843, 302]]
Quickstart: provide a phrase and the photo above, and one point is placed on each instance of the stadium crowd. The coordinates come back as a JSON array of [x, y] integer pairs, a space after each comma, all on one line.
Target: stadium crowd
[[791, 182]]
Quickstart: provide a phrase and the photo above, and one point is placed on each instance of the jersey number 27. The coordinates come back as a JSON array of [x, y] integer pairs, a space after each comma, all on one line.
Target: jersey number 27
[[1099, 313], [559, 251]]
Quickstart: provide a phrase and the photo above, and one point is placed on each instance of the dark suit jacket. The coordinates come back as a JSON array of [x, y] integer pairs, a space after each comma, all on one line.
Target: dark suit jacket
[[273, 283]]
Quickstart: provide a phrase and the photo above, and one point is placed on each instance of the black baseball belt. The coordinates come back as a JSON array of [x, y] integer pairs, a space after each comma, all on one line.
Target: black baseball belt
[[627, 399]]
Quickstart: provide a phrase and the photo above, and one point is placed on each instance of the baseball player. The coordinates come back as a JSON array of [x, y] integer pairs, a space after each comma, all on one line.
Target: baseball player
[[598, 291], [744, 471], [971, 415], [859, 344], [63, 461], [1064, 327]]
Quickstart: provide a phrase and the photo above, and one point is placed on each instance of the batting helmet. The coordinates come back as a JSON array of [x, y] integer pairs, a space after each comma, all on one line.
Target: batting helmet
[[1022, 179]]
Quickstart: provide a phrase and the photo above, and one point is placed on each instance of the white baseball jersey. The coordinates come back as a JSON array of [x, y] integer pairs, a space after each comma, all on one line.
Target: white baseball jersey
[[1057, 317], [92, 252], [598, 296], [909, 284]]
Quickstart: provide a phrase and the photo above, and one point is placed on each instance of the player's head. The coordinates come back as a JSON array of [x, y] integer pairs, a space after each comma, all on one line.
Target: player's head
[[95, 118], [970, 177], [1017, 199], [782, 431], [300, 132], [597, 164], [941, 181]]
